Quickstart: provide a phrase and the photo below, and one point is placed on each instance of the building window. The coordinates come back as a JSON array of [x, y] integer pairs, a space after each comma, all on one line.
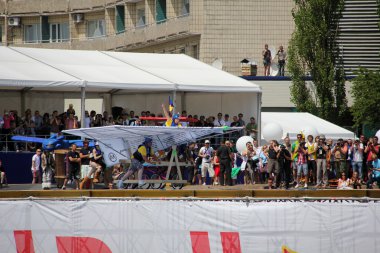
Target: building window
[[120, 19], [96, 28], [1, 34], [185, 7], [160, 11], [140, 18], [59, 32], [195, 52], [32, 33]]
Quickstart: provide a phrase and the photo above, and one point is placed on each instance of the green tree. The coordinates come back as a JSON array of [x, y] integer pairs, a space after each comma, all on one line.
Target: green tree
[[313, 50], [366, 94]]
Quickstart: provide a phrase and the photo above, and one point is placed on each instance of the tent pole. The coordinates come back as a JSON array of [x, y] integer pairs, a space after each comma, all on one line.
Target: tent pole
[[174, 102], [82, 103], [259, 118]]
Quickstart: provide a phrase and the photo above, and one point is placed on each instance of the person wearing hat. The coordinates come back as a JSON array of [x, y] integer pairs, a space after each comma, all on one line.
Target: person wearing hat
[[206, 153], [144, 153], [171, 121]]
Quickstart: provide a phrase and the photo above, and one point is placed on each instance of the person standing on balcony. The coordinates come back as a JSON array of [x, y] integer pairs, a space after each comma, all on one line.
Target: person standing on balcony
[[281, 54], [267, 60]]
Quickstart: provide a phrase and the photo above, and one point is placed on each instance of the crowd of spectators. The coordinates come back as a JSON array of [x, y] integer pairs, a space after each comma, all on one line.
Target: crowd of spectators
[[311, 161], [37, 124]]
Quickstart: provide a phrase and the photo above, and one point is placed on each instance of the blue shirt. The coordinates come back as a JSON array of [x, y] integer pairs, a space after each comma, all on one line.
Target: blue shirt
[[376, 165]]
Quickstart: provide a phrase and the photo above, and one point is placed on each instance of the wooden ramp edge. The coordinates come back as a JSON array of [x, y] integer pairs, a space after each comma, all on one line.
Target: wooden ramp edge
[[213, 194]]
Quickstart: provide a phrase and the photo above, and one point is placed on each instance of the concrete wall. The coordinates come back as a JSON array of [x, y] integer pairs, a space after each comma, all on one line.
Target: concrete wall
[[239, 29]]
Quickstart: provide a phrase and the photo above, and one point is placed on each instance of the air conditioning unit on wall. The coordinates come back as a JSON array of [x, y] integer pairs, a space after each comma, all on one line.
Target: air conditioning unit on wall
[[78, 18], [14, 21]]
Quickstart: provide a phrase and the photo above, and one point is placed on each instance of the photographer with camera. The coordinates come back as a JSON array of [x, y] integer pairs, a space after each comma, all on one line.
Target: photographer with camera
[[207, 153], [340, 157], [251, 164], [302, 164], [285, 161], [371, 149], [273, 164]]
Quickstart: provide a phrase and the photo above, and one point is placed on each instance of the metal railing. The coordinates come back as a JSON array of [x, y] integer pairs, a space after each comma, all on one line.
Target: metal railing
[[9, 145]]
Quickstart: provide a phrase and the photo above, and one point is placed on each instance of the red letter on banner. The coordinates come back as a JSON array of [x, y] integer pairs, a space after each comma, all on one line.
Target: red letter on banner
[[230, 242], [67, 244], [200, 242], [24, 241]]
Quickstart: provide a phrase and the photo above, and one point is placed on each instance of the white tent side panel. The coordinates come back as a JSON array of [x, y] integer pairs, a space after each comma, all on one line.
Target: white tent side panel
[[10, 100], [145, 102], [294, 123], [44, 101], [210, 104], [207, 104]]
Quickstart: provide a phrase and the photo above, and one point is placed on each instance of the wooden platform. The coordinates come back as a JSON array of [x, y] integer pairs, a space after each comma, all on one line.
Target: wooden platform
[[192, 193]]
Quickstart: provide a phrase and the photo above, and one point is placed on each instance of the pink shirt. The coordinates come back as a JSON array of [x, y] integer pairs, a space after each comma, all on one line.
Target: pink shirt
[[7, 121], [71, 124]]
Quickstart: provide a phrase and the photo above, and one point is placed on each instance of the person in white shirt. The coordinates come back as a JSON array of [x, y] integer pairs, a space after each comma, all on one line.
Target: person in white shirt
[[227, 121], [36, 164], [206, 153], [357, 159], [87, 120], [218, 122]]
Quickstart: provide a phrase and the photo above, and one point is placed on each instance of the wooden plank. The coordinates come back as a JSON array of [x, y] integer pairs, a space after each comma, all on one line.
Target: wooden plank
[[45, 194], [143, 193], [222, 193], [153, 181], [309, 193]]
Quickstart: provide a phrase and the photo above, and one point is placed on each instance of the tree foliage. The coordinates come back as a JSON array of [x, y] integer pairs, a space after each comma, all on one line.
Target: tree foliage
[[313, 50], [366, 94]]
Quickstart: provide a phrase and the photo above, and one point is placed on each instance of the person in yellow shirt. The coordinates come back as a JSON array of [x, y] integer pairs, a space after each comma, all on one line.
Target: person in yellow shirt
[[144, 153], [312, 158], [171, 121]]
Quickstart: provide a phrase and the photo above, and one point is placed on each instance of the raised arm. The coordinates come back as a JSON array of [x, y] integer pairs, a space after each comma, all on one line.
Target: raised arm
[[165, 112]]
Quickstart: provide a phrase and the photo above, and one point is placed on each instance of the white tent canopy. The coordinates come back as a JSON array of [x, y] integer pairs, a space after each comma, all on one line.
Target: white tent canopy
[[24, 69], [297, 122], [105, 71]]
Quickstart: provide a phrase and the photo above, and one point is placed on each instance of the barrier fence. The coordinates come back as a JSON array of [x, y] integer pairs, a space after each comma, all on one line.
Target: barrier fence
[[189, 225]]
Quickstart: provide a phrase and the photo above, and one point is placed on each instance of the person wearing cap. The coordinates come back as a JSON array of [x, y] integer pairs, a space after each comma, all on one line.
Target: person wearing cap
[[96, 163], [206, 153], [144, 153], [171, 121], [36, 165]]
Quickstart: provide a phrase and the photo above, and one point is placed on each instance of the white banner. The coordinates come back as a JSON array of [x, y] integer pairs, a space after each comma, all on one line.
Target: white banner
[[104, 226]]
